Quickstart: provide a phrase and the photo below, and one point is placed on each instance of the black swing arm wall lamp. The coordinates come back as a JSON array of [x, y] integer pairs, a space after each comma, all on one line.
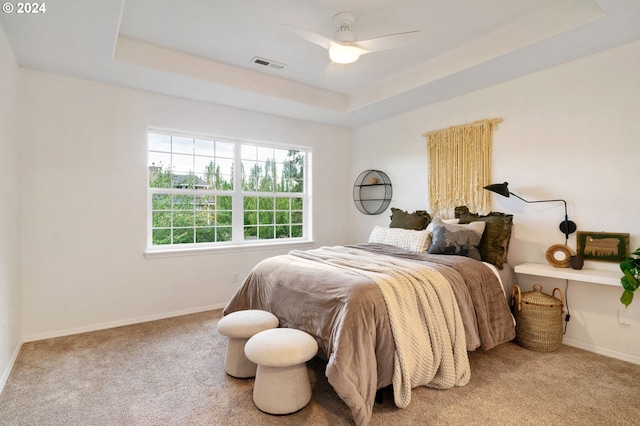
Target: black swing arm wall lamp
[[566, 226]]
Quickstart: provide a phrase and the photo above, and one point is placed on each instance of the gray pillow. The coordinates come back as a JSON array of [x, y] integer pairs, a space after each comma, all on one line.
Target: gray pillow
[[461, 240]]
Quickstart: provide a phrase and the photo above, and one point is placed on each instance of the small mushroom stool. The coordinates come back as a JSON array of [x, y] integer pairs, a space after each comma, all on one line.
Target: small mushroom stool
[[282, 381], [239, 327]]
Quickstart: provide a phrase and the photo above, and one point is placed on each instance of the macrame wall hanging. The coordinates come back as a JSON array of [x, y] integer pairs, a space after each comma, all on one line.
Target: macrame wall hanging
[[459, 159]]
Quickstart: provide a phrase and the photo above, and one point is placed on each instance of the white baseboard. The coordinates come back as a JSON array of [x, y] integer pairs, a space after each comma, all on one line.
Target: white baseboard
[[7, 371], [602, 351], [130, 321]]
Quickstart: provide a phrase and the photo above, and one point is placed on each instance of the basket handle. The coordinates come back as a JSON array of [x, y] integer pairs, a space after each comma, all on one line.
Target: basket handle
[[514, 290], [561, 297]]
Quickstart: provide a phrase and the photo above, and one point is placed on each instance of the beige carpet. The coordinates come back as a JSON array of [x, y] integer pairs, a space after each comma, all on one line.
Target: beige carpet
[[171, 372]]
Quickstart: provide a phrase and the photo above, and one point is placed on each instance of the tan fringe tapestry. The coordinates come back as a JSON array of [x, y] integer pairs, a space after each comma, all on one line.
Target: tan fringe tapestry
[[459, 167]]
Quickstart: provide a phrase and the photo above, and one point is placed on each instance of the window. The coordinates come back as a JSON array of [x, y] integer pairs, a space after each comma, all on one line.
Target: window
[[210, 192]]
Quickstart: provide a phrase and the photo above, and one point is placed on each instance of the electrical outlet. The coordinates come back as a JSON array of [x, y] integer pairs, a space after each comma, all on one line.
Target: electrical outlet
[[235, 278], [623, 316]]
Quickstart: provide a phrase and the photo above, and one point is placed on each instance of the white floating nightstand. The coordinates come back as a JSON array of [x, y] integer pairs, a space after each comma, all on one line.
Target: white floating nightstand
[[597, 276]]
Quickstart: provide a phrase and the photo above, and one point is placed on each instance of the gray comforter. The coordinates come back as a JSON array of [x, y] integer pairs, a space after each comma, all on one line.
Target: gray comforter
[[346, 313]]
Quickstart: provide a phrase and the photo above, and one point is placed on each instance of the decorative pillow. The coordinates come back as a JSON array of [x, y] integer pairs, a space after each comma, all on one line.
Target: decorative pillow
[[430, 226], [494, 245], [417, 220], [407, 239], [462, 240], [446, 221]]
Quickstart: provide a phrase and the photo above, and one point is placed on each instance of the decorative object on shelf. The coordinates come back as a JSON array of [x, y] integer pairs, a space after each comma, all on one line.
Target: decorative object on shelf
[[577, 262], [559, 255], [538, 318], [372, 192], [566, 226], [630, 267], [604, 246]]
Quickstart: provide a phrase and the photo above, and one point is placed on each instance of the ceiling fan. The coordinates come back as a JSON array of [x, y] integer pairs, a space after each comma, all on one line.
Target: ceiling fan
[[345, 48]]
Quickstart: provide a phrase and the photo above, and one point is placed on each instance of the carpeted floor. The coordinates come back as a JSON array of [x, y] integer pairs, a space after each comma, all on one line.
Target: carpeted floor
[[171, 372]]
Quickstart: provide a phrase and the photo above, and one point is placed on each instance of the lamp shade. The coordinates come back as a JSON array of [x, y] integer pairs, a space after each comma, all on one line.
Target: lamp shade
[[499, 188], [342, 54]]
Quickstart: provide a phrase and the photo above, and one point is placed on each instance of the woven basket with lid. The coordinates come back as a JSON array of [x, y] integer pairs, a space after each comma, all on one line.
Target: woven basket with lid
[[538, 318]]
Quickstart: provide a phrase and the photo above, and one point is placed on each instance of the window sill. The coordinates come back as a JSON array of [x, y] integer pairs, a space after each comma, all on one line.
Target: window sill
[[199, 251]]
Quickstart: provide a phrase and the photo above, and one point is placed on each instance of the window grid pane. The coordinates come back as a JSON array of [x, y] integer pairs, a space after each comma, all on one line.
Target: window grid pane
[[272, 217], [189, 163], [188, 219], [272, 170]]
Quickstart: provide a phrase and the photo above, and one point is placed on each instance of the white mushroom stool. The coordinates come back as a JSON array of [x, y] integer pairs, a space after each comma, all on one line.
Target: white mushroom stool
[[282, 381], [239, 327]]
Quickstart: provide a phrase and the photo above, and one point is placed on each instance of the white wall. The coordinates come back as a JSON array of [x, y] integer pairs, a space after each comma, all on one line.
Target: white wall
[[83, 184], [10, 310], [570, 132]]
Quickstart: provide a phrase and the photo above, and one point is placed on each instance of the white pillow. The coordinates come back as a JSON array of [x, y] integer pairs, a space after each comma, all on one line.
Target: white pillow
[[407, 239]]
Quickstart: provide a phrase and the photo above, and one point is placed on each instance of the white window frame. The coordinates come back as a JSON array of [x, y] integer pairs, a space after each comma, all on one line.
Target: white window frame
[[238, 242]]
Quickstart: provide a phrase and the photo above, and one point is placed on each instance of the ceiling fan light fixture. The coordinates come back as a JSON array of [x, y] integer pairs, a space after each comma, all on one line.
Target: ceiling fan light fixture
[[342, 54]]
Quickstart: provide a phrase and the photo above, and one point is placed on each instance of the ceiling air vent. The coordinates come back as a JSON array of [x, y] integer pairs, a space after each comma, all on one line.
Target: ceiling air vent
[[267, 63]]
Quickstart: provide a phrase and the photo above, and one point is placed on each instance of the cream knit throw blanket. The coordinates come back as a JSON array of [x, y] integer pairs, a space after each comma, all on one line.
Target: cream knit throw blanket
[[425, 320]]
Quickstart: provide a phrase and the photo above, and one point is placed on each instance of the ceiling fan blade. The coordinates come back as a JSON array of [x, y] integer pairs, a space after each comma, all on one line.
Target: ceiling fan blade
[[316, 38], [354, 45], [389, 41]]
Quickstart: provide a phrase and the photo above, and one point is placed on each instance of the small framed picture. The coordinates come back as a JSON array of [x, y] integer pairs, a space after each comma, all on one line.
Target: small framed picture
[[604, 246]]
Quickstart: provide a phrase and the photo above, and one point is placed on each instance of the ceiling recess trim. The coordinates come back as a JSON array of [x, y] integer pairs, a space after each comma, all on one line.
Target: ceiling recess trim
[[163, 59]]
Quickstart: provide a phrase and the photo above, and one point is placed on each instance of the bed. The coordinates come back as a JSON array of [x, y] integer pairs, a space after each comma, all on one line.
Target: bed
[[386, 314]]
